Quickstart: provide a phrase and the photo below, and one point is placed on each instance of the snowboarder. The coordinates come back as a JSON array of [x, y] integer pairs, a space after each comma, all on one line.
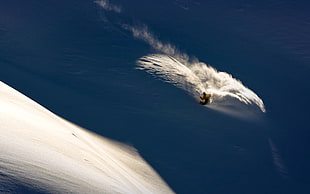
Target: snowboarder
[[205, 98]]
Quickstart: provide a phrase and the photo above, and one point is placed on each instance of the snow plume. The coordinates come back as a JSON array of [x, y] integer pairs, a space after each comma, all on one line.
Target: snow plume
[[229, 95], [142, 33], [106, 5], [44, 152], [278, 163]]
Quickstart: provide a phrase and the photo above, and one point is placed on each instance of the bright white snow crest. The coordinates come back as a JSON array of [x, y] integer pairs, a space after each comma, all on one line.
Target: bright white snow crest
[[46, 153]]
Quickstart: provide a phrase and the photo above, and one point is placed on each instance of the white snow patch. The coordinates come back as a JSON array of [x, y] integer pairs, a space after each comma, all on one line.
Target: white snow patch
[[45, 152]]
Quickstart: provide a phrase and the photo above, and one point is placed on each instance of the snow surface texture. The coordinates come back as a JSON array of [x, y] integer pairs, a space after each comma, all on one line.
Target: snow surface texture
[[44, 152]]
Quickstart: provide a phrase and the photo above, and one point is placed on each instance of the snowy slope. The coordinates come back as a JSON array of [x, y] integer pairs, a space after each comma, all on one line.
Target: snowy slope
[[44, 152]]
